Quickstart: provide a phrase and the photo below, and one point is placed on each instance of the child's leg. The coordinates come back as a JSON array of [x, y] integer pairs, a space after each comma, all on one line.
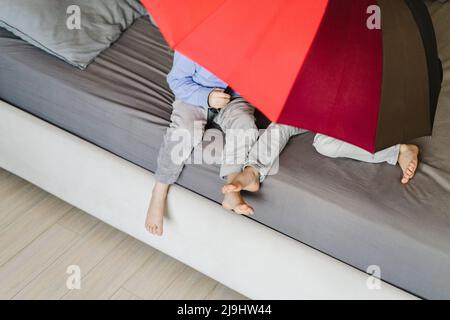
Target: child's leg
[[183, 135], [335, 148], [237, 120], [269, 147], [405, 155], [262, 157], [185, 132]]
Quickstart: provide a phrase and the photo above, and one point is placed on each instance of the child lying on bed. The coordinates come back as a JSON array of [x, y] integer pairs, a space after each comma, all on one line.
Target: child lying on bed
[[200, 98], [272, 142]]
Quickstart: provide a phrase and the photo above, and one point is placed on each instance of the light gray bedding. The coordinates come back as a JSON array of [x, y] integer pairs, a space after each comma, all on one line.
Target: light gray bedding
[[358, 213], [75, 31]]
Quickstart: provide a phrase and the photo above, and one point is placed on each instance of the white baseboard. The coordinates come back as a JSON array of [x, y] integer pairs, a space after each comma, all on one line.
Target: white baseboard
[[236, 251]]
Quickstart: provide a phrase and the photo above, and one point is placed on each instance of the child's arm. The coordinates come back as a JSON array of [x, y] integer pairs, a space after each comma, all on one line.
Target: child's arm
[[183, 86]]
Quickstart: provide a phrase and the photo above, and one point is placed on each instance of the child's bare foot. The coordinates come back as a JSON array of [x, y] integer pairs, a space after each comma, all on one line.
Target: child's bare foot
[[233, 201], [408, 160], [247, 180], [155, 213]]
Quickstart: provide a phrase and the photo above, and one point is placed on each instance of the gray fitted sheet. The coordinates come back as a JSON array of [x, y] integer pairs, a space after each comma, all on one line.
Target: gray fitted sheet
[[356, 212]]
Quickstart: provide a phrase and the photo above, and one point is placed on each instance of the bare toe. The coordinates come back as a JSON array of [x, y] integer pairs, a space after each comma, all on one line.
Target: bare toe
[[405, 180], [244, 209], [233, 201]]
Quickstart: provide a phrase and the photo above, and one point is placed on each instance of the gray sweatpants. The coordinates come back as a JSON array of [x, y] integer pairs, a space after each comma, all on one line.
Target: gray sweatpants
[[266, 151], [186, 131]]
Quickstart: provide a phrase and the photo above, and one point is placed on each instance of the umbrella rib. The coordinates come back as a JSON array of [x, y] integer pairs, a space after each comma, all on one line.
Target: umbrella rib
[[286, 99], [257, 44]]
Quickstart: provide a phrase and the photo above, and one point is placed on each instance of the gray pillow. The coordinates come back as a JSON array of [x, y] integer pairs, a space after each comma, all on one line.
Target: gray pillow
[[73, 30]]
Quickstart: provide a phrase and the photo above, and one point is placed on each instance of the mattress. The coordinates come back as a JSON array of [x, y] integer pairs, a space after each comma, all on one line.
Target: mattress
[[355, 212]]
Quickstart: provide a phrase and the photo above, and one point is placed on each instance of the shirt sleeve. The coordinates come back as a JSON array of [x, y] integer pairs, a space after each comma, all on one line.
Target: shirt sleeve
[[182, 84]]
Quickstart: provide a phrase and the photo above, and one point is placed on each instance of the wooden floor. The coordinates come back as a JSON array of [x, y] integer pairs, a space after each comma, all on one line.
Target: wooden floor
[[41, 236]]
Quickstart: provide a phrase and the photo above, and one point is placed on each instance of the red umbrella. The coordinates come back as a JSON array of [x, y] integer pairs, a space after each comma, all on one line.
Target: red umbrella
[[314, 64]]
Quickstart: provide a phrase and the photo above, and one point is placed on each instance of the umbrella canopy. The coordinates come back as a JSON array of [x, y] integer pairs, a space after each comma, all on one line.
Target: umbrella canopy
[[316, 64]]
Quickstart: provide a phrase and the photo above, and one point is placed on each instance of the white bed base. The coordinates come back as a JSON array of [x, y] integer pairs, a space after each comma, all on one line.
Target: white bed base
[[236, 251]]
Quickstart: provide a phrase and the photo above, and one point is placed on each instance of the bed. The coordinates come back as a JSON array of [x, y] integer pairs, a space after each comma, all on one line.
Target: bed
[[357, 214]]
